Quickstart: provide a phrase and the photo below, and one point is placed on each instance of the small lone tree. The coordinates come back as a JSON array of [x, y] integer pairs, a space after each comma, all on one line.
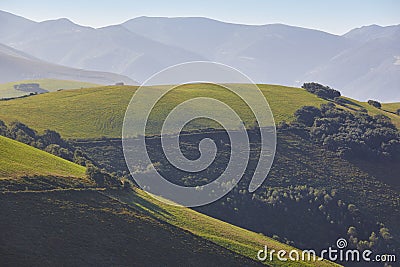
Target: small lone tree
[[374, 103]]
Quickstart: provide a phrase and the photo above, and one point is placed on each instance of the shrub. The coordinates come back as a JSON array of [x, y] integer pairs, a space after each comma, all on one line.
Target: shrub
[[374, 103], [321, 91], [102, 178]]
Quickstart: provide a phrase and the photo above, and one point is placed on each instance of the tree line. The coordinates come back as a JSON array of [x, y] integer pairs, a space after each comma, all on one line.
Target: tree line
[[349, 134], [52, 142]]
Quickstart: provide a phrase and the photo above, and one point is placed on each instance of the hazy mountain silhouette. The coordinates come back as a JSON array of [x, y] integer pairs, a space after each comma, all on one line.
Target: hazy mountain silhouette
[[16, 65], [364, 63]]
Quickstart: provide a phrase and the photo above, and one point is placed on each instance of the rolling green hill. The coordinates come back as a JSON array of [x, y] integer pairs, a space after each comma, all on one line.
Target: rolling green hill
[[388, 109], [391, 107], [234, 238], [17, 160], [81, 228], [82, 218], [124, 225], [305, 198], [7, 89], [98, 112]]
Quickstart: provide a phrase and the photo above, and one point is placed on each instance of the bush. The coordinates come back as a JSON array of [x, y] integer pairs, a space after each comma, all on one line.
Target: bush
[[59, 151], [374, 103], [321, 90], [102, 178]]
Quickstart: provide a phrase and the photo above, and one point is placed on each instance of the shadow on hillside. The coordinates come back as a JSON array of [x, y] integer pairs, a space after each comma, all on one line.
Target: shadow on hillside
[[386, 172], [391, 112], [134, 200], [347, 104]]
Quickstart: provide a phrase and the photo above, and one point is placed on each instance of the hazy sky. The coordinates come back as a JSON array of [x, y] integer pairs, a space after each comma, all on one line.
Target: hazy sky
[[334, 16]]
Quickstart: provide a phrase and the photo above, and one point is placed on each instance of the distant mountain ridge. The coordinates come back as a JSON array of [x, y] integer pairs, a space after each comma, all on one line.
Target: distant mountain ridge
[[363, 63], [16, 65]]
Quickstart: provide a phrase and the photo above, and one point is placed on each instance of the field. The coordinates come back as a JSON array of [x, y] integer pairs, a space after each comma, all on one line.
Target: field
[[99, 112], [19, 160], [7, 89]]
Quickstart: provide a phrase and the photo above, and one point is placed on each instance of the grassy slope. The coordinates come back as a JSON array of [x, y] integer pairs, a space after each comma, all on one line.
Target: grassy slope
[[234, 238], [97, 112], [87, 228], [297, 163], [388, 109], [392, 107], [87, 217], [17, 159], [7, 89]]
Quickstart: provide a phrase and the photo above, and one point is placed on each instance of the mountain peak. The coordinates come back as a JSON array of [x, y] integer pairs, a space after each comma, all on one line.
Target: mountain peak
[[63, 24], [60, 21], [370, 32]]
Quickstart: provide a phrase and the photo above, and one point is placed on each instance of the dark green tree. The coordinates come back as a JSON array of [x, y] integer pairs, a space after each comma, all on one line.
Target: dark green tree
[[374, 103]]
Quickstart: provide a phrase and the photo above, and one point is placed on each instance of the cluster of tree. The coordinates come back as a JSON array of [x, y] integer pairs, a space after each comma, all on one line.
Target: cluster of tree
[[316, 208], [321, 91], [377, 239], [349, 134], [326, 203], [50, 141], [375, 103], [102, 178], [299, 190]]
